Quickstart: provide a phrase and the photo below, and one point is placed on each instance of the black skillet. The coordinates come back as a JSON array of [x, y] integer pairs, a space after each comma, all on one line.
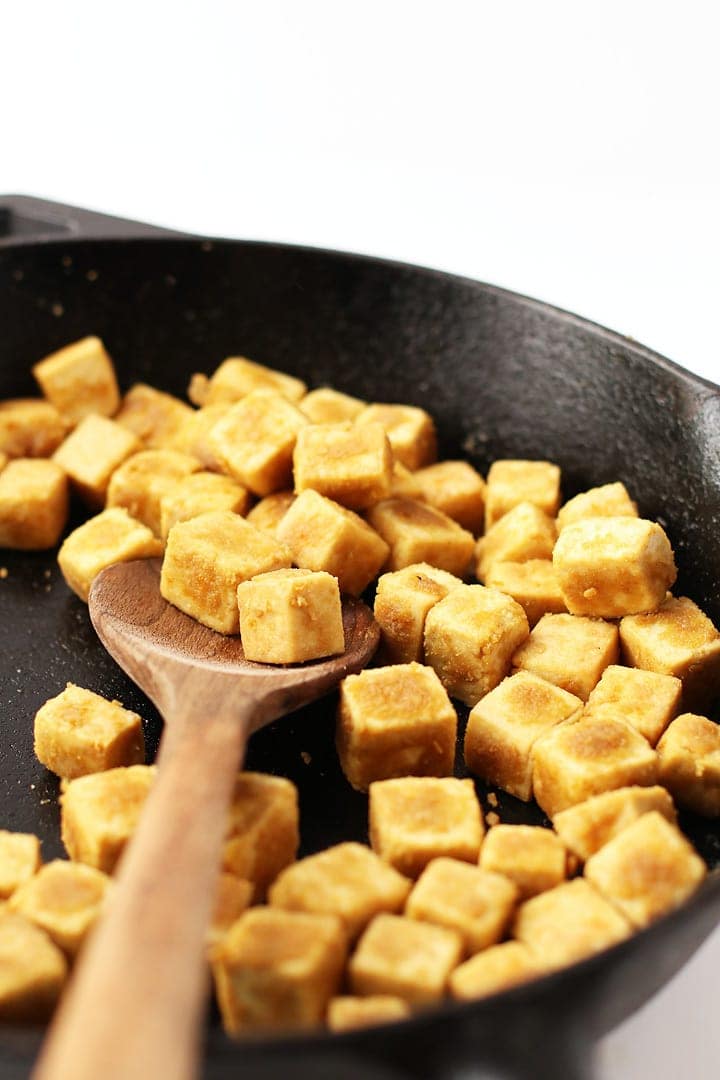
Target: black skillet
[[504, 376]]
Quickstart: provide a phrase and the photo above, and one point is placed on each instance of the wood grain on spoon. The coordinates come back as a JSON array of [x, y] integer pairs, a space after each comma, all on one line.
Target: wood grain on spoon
[[135, 1004]]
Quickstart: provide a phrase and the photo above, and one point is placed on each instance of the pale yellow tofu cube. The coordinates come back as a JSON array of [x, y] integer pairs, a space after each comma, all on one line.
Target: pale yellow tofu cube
[[470, 638], [193, 435], [588, 826], [140, 482], [237, 377], [290, 616], [30, 427], [395, 721], [327, 406], [92, 453], [255, 439], [532, 584], [404, 484], [99, 813], [525, 532], [568, 923], [108, 538], [322, 535], [533, 858], [416, 819], [263, 829], [570, 651], [32, 971], [504, 725], [404, 958], [200, 493], [402, 601], [347, 880], [493, 970], [352, 465], [347, 1013], [645, 699], [419, 533], [411, 432], [647, 870], [456, 489], [65, 900], [233, 897], [79, 379], [33, 504], [155, 417], [269, 512], [19, 860], [510, 482], [689, 756], [609, 500]]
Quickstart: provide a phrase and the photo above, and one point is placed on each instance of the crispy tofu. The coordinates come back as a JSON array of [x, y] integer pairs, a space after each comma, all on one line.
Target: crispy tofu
[[65, 900], [92, 453], [608, 500], [417, 533], [263, 829], [587, 826], [532, 584], [327, 406], [32, 971], [347, 1013], [411, 432], [404, 958], [30, 428], [33, 504], [510, 482], [79, 380], [645, 699], [156, 418], [237, 377], [140, 482], [570, 651], [457, 490], [403, 599], [533, 858], [352, 465], [99, 813], [255, 439], [19, 860], [524, 533], [200, 493], [110, 537], [689, 757], [493, 970], [269, 512], [290, 616]]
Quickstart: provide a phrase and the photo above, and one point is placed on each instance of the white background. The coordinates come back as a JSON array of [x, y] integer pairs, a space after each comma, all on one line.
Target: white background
[[565, 150]]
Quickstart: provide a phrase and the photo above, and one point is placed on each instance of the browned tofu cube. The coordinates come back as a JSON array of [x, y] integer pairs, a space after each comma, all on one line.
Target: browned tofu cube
[[200, 493], [411, 432], [416, 819], [513, 482], [32, 971], [568, 923], [65, 900], [140, 482], [588, 826], [255, 439], [418, 533], [404, 958], [394, 721], [609, 500], [33, 504], [99, 813], [504, 725], [347, 880], [277, 970], [19, 860], [108, 538], [30, 427], [646, 870], [402, 601], [678, 639], [79, 732], [233, 897], [586, 756], [263, 829], [532, 584], [154, 417], [404, 484], [531, 857], [193, 435], [269, 512], [326, 406], [689, 756], [290, 616], [92, 453], [470, 638], [237, 377], [493, 970], [352, 465], [570, 651], [456, 489], [207, 557], [322, 535], [79, 379], [525, 532], [347, 1013], [645, 699]]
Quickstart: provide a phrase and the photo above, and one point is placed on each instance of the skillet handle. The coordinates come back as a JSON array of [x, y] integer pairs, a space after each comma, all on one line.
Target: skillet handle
[[27, 220]]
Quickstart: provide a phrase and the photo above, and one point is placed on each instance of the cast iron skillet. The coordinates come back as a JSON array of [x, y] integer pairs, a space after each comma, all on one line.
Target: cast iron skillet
[[505, 377]]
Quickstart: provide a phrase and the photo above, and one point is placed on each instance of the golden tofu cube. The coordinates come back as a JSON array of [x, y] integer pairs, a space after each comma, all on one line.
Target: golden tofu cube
[[263, 829], [504, 725], [155, 417], [610, 567], [394, 721], [327, 406], [512, 482], [348, 880], [30, 427], [108, 538], [99, 813], [79, 379], [647, 870], [689, 756], [645, 699], [92, 453], [65, 900], [588, 826], [290, 616], [468, 899], [416, 819], [79, 732], [532, 584], [277, 970], [402, 601], [570, 651], [533, 858], [568, 923], [33, 504], [470, 638], [207, 557], [141, 481], [19, 860], [404, 958], [322, 535], [269, 512], [456, 489], [586, 756], [233, 897], [237, 377], [404, 484], [200, 493], [352, 465], [525, 532], [494, 970], [411, 432], [348, 1013], [419, 533], [32, 971], [609, 500], [193, 435], [678, 639], [255, 439]]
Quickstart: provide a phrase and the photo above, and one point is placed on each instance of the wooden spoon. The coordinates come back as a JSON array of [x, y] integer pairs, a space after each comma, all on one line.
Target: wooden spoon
[[135, 1005]]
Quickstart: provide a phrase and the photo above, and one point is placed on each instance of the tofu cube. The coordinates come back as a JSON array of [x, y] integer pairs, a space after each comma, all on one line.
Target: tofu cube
[[92, 453], [689, 756], [79, 732], [470, 637], [277, 970], [255, 439], [533, 858], [532, 584], [418, 533], [586, 756], [269, 512], [568, 923], [402, 601], [33, 504], [327, 406], [493, 970], [457, 490], [411, 432], [207, 557], [645, 699], [32, 971], [609, 500], [347, 880], [394, 721], [322, 535], [79, 380], [99, 813], [404, 484], [140, 482], [404, 958], [678, 639], [237, 377], [504, 725], [525, 532], [512, 482], [233, 897], [416, 819], [19, 860], [588, 826], [263, 829], [610, 567], [30, 428], [110, 537], [193, 435], [647, 870], [154, 417], [290, 616], [352, 465], [570, 651], [348, 1013], [65, 900], [200, 493]]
